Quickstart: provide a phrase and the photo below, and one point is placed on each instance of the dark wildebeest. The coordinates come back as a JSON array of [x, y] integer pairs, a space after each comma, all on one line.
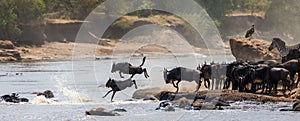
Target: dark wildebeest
[[181, 73], [205, 74], [118, 86], [215, 72], [14, 98], [292, 54], [127, 68], [294, 67], [277, 74]]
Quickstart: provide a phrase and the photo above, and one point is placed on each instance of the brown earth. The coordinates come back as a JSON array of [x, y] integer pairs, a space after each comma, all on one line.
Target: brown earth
[[244, 49], [225, 95]]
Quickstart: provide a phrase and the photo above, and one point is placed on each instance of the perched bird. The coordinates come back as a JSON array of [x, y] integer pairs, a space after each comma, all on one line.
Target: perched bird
[[250, 32]]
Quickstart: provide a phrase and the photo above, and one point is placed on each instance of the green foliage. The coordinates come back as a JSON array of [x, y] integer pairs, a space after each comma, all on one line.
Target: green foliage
[[81, 8], [251, 5], [8, 26], [145, 9], [118, 9], [122, 23], [29, 11], [71, 9], [284, 16], [217, 9]]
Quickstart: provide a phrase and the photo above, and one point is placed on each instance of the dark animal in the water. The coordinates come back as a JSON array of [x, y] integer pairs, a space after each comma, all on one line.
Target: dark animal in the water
[[47, 93], [127, 68], [294, 67], [181, 73], [281, 46], [118, 86], [250, 32], [166, 106], [14, 98]]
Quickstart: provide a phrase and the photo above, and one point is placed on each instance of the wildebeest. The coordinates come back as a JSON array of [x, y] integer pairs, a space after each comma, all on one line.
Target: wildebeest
[[294, 67], [292, 54], [118, 86], [14, 98], [214, 72], [127, 68], [277, 74], [181, 73]]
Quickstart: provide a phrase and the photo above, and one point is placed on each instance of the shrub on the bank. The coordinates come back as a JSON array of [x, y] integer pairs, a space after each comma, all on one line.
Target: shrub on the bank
[[8, 20]]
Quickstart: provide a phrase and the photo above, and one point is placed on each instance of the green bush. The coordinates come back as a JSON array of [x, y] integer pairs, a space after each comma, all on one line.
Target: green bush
[[29, 11], [8, 22]]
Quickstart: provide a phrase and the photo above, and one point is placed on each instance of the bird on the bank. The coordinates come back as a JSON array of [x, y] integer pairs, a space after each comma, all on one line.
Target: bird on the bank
[[250, 32]]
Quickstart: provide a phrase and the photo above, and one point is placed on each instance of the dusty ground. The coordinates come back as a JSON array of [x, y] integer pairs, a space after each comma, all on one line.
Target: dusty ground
[[58, 50]]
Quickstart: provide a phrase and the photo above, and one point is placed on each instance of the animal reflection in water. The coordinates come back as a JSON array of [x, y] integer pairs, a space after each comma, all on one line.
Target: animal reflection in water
[[127, 68], [118, 86]]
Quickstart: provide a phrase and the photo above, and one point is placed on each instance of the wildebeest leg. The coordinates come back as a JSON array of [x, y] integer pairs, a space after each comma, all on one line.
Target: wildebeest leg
[[121, 74], [226, 83], [198, 86], [207, 83], [292, 77], [177, 86], [145, 73], [112, 97], [107, 93], [134, 82], [298, 80], [132, 75]]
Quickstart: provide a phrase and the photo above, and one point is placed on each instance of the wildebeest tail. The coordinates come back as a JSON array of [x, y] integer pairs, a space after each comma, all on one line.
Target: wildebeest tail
[[144, 59]]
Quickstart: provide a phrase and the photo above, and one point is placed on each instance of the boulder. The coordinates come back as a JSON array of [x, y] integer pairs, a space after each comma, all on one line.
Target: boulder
[[296, 106], [244, 49], [101, 112], [6, 44], [9, 55]]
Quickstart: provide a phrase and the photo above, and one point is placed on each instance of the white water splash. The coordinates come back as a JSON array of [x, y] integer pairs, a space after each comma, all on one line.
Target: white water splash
[[72, 95], [43, 100]]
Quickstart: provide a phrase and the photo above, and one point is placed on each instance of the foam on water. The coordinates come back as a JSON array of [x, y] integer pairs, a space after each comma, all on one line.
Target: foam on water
[[72, 95], [43, 100]]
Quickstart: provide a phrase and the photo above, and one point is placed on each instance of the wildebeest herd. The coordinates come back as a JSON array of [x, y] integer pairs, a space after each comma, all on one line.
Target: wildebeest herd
[[255, 77]]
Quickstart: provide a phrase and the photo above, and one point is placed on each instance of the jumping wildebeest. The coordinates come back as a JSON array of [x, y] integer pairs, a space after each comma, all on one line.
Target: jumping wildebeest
[[127, 68], [181, 73], [294, 67], [118, 86]]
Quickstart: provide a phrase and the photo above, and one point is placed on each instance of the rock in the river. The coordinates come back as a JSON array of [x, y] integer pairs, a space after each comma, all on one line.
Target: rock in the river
[[101, 112], [252, 50], [296, 106], [165, 106]]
